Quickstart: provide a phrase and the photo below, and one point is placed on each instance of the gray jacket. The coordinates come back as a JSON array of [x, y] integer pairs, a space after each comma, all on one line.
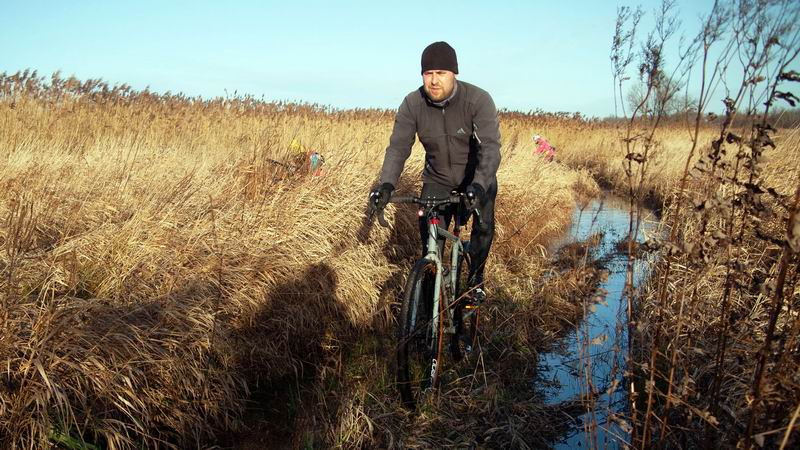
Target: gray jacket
[[461, 138]]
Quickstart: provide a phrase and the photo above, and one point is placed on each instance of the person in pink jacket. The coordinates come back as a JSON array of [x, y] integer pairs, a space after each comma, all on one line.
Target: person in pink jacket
[[543, 147]]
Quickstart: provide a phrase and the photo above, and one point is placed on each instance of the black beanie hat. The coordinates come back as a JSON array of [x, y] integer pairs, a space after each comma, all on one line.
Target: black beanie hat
[[439, 56]]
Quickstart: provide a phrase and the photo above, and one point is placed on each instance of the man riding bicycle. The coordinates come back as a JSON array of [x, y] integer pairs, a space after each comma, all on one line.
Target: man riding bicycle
[[458, 126]]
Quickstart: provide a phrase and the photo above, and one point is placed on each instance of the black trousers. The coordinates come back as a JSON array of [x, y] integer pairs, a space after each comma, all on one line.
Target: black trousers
[[480, 241]]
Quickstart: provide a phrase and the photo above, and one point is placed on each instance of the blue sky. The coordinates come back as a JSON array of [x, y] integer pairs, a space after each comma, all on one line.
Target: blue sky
[[527, 54]]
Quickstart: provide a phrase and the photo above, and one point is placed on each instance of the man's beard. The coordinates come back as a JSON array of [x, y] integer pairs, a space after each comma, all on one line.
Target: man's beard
[[444, 95]]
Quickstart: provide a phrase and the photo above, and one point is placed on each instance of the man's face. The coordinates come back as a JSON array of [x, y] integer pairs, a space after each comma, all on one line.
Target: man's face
[[438, 84]]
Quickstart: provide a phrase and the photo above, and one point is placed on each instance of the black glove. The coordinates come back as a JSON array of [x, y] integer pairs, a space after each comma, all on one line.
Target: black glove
[[474, 193], [380, 197]]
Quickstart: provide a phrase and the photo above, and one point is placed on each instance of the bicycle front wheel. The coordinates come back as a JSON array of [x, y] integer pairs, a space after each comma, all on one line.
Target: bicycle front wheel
[[418, 346]]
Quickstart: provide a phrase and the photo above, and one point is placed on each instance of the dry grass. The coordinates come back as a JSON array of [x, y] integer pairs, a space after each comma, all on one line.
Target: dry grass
[[163, 256], [491, 400], [708, 312], [713, 334], [712, 322]]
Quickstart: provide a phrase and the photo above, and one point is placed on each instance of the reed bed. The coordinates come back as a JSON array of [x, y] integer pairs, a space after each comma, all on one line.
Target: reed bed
[[712, 335], [169, 264], [708, 328], [165, 256]]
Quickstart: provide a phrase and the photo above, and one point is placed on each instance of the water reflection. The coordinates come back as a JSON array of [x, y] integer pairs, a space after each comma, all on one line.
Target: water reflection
[[591, 357]]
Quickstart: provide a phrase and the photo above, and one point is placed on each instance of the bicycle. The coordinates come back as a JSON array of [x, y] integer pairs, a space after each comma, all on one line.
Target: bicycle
[[436, 299]]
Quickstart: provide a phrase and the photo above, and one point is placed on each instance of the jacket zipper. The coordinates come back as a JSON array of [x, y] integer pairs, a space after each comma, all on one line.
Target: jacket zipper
[[447, 144]]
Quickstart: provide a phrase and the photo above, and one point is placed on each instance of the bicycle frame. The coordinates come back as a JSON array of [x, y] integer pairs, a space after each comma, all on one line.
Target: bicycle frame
[[435, 232]]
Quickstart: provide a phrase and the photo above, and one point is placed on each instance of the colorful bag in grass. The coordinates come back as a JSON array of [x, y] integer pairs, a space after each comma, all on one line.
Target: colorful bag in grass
[[315, 162]]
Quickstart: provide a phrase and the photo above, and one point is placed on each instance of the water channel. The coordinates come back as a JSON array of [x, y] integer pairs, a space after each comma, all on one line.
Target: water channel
[[596, 348]]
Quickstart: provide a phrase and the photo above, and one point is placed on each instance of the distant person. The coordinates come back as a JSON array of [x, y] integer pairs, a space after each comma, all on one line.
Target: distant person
[[543, 147], [306, 159], [458, 126]]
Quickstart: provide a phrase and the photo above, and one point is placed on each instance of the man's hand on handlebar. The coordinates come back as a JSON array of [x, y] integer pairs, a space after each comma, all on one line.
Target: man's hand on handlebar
[[379, 197], [474, 194]]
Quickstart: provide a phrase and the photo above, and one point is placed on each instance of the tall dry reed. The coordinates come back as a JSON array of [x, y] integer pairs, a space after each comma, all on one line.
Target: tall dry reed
[[163, 256], [713, 355]]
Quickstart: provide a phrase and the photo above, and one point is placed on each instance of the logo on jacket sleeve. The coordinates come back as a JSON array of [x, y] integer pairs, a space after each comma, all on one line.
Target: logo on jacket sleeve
[[461, 131]]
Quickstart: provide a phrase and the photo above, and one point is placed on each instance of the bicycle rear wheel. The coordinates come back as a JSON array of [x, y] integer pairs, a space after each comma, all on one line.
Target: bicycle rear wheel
[[418, 347], [465, 314]]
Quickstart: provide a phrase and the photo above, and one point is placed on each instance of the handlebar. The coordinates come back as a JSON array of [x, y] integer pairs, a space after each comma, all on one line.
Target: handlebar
[[428, 203]]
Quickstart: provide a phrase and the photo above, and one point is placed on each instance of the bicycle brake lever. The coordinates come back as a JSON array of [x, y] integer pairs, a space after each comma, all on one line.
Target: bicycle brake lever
[[375, 210], [371, 208], [382, 218]]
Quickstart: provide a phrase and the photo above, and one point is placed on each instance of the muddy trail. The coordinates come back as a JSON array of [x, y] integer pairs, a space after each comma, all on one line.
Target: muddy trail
[[526, 385]]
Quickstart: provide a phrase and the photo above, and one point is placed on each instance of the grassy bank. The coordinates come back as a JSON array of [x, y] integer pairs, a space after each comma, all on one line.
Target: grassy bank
[[163, 257], [715, 328], [714, 332], [717, 338]]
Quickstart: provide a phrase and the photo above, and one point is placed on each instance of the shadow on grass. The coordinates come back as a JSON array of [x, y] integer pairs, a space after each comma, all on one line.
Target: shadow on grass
[[303, 323], [343, 394]]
